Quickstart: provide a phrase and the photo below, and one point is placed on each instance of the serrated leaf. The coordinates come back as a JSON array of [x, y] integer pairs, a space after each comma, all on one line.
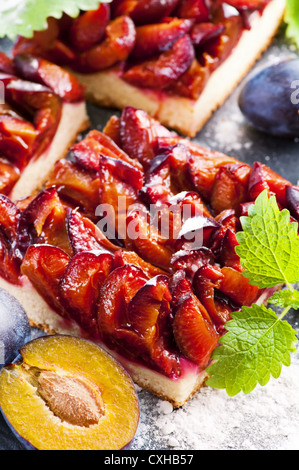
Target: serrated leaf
[[23, 17], [269, 244], [255, 347], [285, 298], [292, 20]]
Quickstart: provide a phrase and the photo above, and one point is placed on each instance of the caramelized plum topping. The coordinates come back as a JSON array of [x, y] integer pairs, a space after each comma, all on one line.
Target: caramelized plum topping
[[80, 286], [44, 265], [16, 139], [139, 134], [292, 200], [196, 9], [194, 332], [203, 32], [41, 105], [144, 11], [167, 174], [110, 149], [116, 47], [123, 257], [120, 183], [89, 28], [112, 129], [9, 175], [6, 64], [153, 39], [39, 70], [192, 82], [32, 220], [76, 186], [206, 282], [117, 290], [9, 255], [263, 178], [191, 260], [85, 236], [203, 167], [237, 287], [230, 188], [150, 320], [134, 314], [144, 238], [247, 4], [167, 68], [221, 47]]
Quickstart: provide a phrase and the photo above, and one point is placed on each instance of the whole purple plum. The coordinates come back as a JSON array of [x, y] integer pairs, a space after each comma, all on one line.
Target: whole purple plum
[[270, 99], [14, 327]]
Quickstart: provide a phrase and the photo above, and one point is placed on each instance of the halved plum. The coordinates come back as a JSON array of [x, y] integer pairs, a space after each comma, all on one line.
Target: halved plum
[[144, 11], [86, 236], [166, 69], [203, 167], [116, 292], [80, 286], [89, 28], [196, 9], [44, 265], [263, 178], [76, 186], [39, 70], [194, 331], [68, 394], [134, 316], [152, 39], [139, 134], [116, 47]]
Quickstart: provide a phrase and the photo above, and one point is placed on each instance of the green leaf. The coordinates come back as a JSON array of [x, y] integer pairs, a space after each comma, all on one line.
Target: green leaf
[[23, 17], [292, 20], [269, 244], [255, 347], [285, 298]]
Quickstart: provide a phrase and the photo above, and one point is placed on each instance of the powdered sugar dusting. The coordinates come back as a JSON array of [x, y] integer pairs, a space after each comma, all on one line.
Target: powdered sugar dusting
[[266, 419]]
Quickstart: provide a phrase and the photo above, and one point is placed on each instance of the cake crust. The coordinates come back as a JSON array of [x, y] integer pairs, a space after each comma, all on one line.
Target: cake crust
[[185, 115]]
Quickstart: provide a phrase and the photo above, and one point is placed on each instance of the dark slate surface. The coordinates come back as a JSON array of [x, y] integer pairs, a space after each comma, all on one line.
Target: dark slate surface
[[229, 132]]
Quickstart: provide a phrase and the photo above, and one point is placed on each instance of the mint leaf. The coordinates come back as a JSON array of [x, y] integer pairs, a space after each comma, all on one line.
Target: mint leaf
[[269, 244], [255, 347], [292, 20], [23, 17], [285, 298]]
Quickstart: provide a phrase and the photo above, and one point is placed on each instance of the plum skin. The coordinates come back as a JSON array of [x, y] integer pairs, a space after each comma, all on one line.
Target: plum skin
[[266, 99], [14, 327]]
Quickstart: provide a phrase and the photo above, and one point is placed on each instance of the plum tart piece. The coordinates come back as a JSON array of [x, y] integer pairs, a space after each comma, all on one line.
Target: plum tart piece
[[178, 60], [135, 250], [43, 113]]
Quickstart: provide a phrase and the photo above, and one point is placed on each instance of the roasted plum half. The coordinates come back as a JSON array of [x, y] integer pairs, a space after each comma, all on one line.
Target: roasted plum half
[[14, 328], [68, 394]]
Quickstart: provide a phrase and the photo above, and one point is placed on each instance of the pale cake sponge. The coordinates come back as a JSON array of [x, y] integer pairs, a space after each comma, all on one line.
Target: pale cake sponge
[[182, 114], [73, 120]]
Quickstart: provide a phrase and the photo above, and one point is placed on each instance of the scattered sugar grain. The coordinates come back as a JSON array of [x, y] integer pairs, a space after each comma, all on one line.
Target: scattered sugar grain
[[265, 419]]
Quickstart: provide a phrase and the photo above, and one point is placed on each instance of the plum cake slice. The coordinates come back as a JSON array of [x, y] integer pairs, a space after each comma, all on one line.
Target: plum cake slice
[[89, 254], [177, 59], [43, 112]]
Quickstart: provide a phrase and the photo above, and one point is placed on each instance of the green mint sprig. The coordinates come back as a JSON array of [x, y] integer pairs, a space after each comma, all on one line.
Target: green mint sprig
[[292, 20], [258, 341], [23, 17]]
